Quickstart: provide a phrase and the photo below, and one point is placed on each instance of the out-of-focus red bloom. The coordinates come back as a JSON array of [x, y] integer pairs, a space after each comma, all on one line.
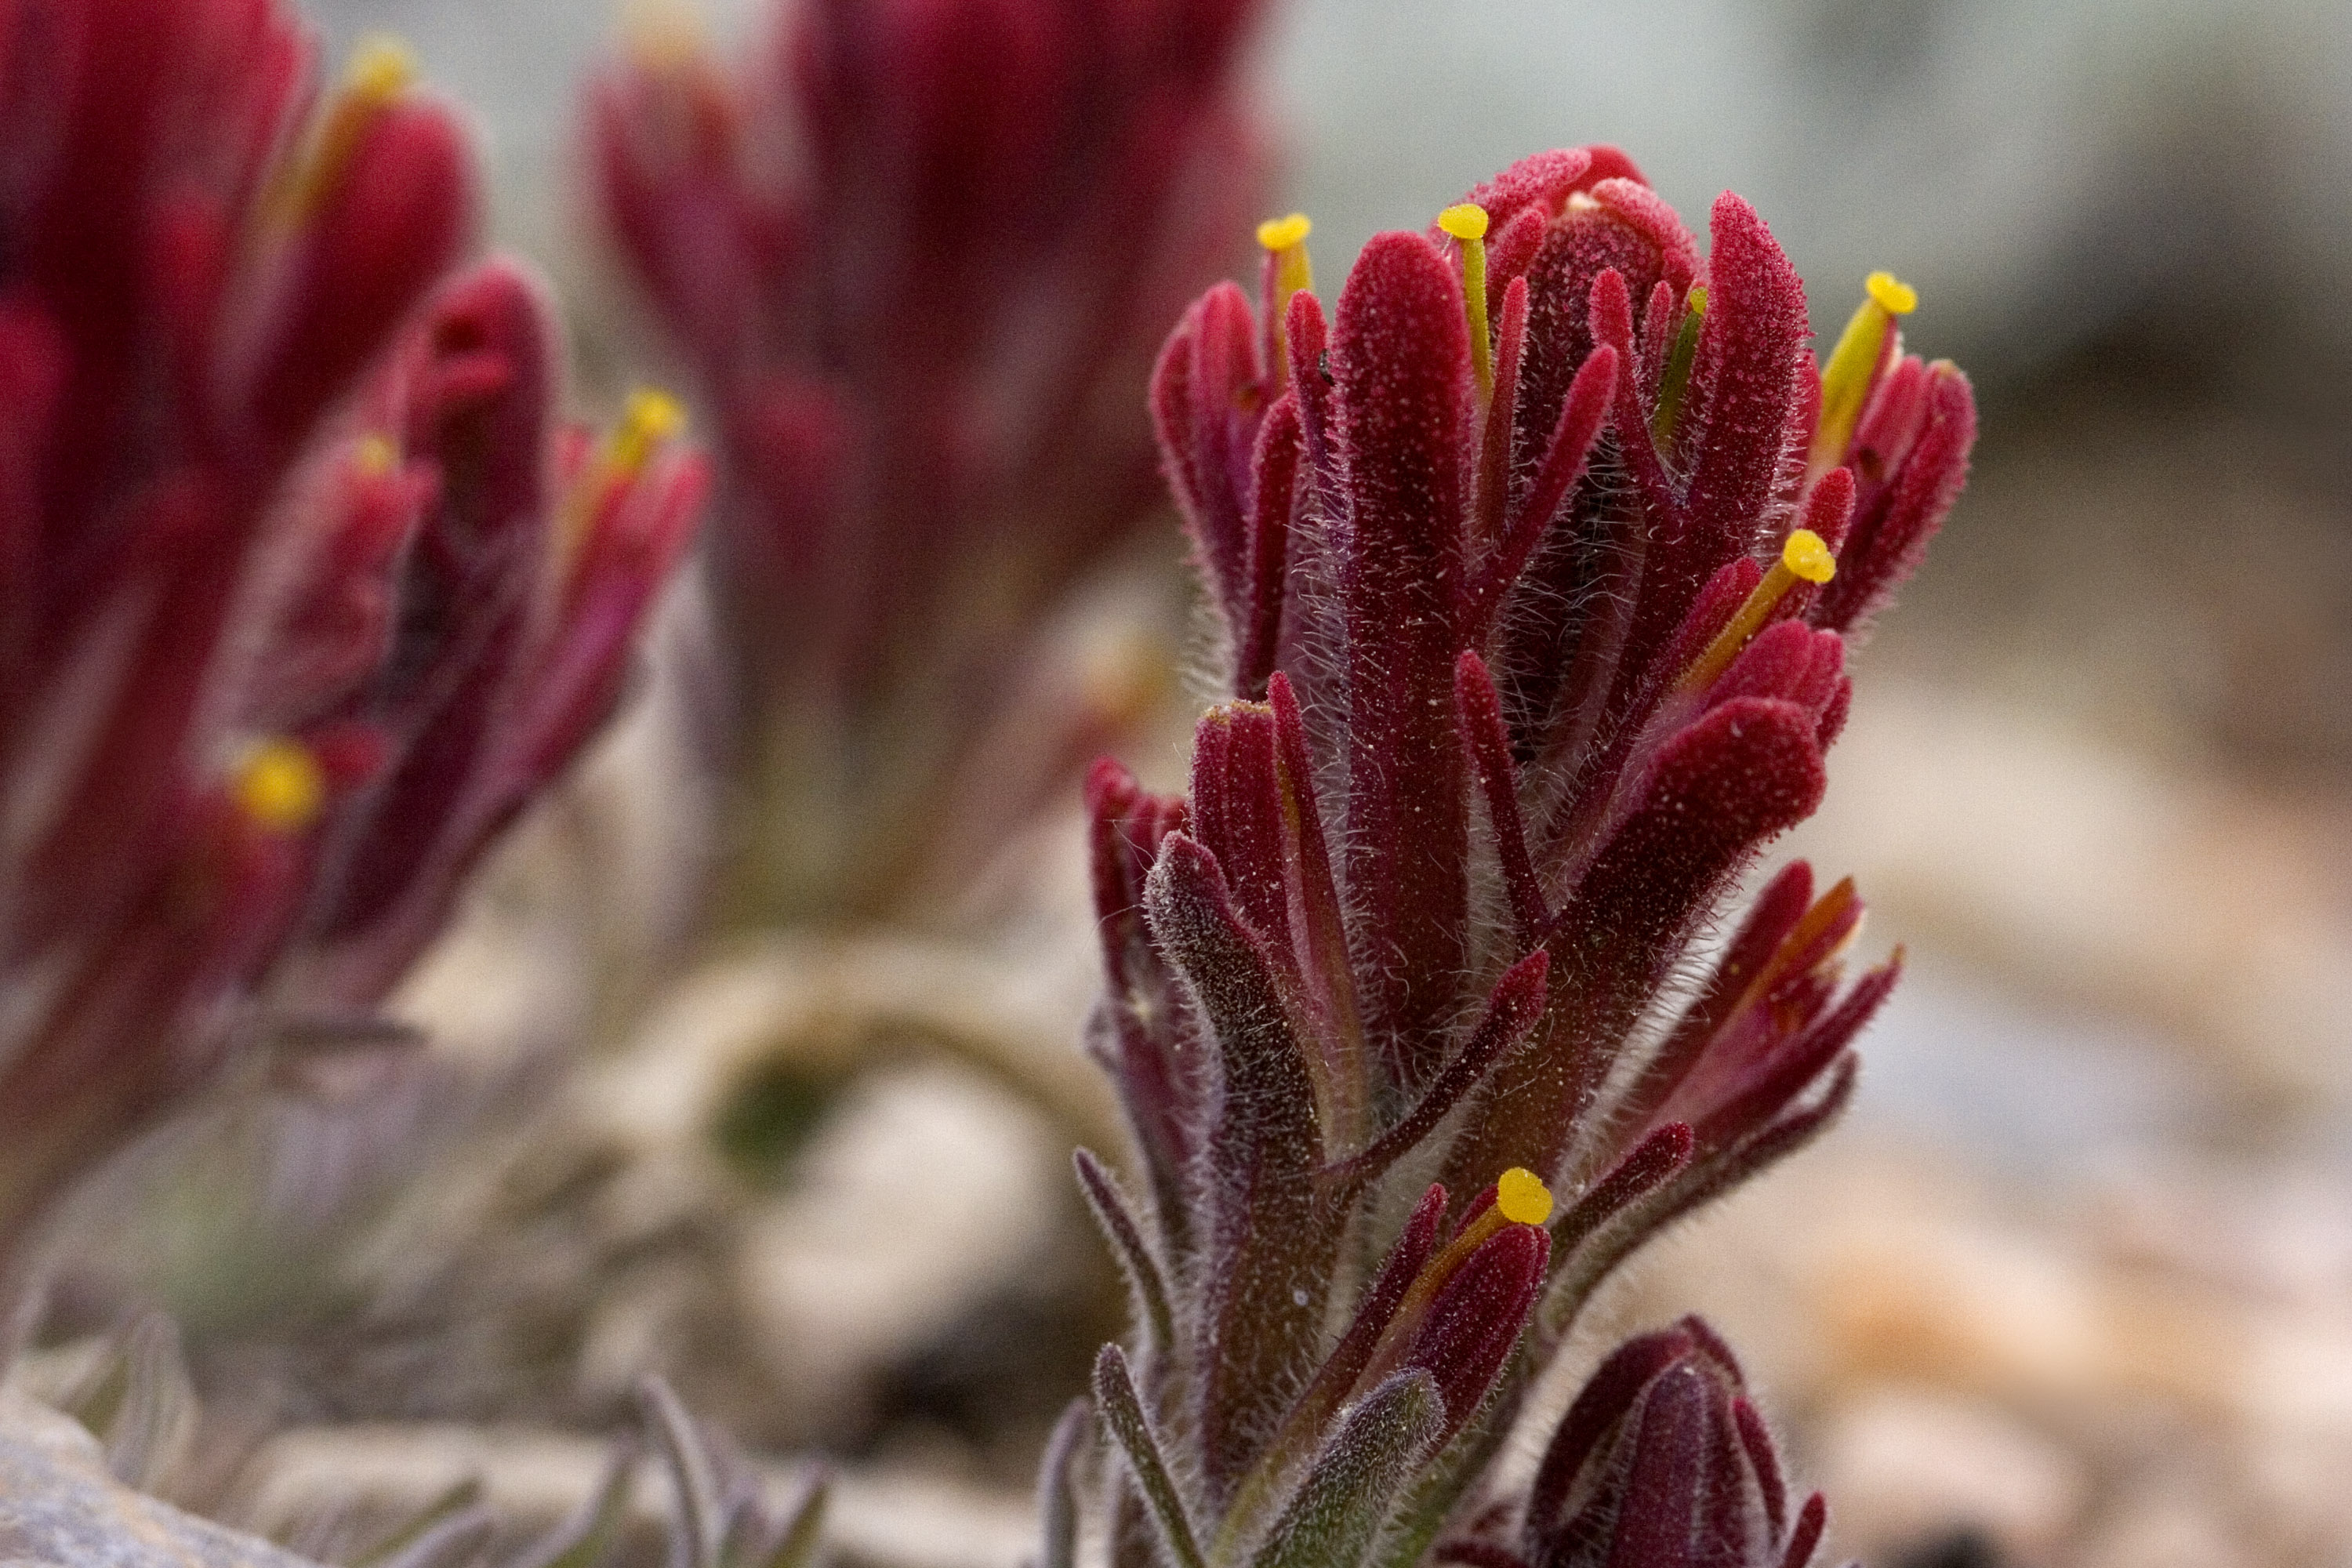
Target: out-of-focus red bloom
[[1535, 563], [305, 595], [919, 256]]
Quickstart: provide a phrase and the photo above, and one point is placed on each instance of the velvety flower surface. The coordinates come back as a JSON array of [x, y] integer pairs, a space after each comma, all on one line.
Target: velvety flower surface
[[1537, 559], [918, 254], [306, 594]]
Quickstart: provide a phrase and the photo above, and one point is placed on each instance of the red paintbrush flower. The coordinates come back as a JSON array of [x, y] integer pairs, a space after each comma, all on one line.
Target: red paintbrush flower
[[919, 256], [305, 594], [1535, 563]]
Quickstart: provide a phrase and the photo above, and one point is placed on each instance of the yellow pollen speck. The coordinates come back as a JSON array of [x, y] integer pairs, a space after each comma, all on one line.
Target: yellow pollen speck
[[1522, 1197], [1894, 296], [651, 418], [374, 455], [1282, 233], [382, 67], [1466, 221], [1806, 556], [279, 785]]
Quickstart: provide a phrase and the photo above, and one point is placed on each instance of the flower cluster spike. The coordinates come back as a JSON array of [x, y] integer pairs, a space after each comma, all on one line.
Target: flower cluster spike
[[306, 592], [920, 336], [1535, 560]]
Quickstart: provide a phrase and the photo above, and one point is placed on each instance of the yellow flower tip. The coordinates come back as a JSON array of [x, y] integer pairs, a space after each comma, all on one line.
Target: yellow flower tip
[[279, 785], [1895, 297], [1280, 234], [1466, 221], [1521, 1196], [652, 417], [381, 68], [375, 456], [1697, 298], [1807, 556]]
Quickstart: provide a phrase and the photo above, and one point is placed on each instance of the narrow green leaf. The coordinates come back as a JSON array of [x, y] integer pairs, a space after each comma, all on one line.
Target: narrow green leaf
[[1379, 1445], [795, 1545], [1111, 1212], [588, 1537], [1057, 1501], [458, 1539], [1121, 1413], [451, 1503], [701, 1511]]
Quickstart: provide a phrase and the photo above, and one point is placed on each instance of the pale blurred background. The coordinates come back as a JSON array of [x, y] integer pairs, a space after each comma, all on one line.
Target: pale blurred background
[[2074, 1285]]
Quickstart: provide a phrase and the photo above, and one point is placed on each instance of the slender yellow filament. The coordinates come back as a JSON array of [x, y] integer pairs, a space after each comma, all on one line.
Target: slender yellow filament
[[1467, 224], [1853, 365], [1804, 558], [1676, 379], [1284, 239]]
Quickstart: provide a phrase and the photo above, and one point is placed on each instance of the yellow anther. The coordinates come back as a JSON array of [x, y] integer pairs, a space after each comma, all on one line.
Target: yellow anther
[[1697, 298], [1280, 233], [279, 785], [1853, 364], [651, 418], [381, 68], [1520, 1193], [1467, 224], [1466, 221], [375, 456], [1898, 298], [1806, 556]]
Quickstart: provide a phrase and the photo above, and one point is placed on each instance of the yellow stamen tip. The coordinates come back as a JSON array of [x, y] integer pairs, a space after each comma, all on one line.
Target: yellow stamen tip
[[1282, 233], [1466, 221], [1808, 556], [279, 785], [1697, 298], [652, 417], [381, 68], [375, 456], [1522, 1197], [1895, 297]]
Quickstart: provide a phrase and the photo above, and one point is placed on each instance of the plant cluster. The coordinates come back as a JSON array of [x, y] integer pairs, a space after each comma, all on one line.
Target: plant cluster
[[1535, 562], [308, 591]]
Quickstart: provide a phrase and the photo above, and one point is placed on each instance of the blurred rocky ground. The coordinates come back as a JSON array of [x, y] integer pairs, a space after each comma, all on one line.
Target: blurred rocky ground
[[2074, 1285]]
